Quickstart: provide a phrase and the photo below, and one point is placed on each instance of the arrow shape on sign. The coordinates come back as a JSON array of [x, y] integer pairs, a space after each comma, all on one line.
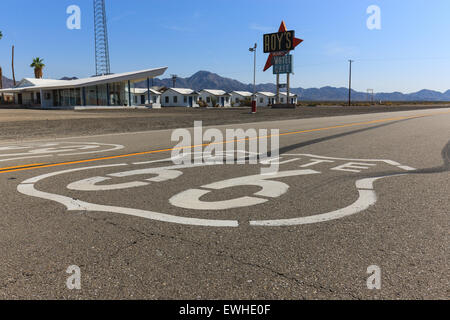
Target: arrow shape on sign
[[270, 59]]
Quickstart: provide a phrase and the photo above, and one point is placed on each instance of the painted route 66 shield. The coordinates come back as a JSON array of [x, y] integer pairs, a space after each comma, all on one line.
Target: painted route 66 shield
[[212, 195]]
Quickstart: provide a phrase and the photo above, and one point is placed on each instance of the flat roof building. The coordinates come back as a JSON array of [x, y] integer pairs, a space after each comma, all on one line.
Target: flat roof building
[[209, 95], [237, 97], [179, 97], [264, 99], [108, 90]]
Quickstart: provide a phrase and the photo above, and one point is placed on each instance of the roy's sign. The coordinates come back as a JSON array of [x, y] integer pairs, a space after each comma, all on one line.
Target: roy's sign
[[279, 44], [280, 41]]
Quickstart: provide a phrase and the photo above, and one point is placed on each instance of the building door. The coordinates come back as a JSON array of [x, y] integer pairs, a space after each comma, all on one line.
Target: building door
[[142, 99], [222, 101], [19, 98], [190, 101]]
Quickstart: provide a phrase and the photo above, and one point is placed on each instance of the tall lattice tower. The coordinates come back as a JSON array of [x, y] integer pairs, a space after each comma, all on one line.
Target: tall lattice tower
[[102, 65]]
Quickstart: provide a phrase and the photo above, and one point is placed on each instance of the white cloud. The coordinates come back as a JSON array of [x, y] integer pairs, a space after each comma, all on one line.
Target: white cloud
[[337, 49], [257, 27], [123, 16], [178, 28]]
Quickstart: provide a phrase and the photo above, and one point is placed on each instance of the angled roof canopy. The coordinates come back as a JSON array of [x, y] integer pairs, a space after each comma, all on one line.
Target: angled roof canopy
[[30, 84]]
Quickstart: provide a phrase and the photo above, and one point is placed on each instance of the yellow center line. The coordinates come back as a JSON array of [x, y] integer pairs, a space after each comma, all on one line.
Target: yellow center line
[[23, 166], [39, 166]]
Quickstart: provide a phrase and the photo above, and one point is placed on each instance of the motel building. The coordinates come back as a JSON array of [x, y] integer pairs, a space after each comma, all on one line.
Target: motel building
[[219, 96], [239, 96], [179, 97], [107, 90], [7, 97], [142, 97], [265, 99], [293, 98]]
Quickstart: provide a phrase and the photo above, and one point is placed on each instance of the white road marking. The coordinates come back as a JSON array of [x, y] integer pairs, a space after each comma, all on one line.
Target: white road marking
[[314, 162], [52, 174], [28, 188], [367, 198], [354, 167], [90, 184], [277, 161], [407, 168], [20, 158], [393, 163], [55, 149], [190, 199]]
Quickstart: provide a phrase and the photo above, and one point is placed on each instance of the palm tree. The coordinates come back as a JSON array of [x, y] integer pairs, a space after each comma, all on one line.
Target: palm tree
[[38, 65]]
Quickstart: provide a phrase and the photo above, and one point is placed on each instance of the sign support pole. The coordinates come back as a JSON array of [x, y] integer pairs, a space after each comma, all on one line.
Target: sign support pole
[[288, 98], [278, 88]]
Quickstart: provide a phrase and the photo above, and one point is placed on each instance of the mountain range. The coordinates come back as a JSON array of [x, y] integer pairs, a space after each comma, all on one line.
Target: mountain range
[[208, 80], [7, 83]]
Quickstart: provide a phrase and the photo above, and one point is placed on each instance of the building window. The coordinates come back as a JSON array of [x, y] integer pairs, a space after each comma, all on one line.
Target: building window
[[237, 100], [261, 100], [175, 99], [227, 99], [135, 99], [185, 99], [208, 99], [282, 99], [167, 99], [199, 98]]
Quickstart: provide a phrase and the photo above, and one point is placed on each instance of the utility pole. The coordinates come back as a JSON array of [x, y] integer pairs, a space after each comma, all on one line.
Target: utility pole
[[254, 78], [12, 65], [370, 95], [350, 84], [174, 80]]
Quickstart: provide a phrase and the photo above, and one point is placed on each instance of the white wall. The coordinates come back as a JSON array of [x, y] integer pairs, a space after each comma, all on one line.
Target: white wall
[[27, 98], [293, 100], [266, 101], [235, 96], [181, 102], [47, 102], [155, 99], [205, 95]]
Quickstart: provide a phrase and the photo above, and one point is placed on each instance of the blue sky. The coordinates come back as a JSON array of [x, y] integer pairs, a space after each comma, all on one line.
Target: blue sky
[[409, 53]]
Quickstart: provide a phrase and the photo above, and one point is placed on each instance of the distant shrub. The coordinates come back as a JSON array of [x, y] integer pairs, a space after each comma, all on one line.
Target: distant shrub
[[246, 103]]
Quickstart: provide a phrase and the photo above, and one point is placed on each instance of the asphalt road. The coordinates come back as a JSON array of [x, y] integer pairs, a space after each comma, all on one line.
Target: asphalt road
[[351, 192]]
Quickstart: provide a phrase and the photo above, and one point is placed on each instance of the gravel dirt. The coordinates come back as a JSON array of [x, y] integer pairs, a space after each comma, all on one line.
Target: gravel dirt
[[23, 124]]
